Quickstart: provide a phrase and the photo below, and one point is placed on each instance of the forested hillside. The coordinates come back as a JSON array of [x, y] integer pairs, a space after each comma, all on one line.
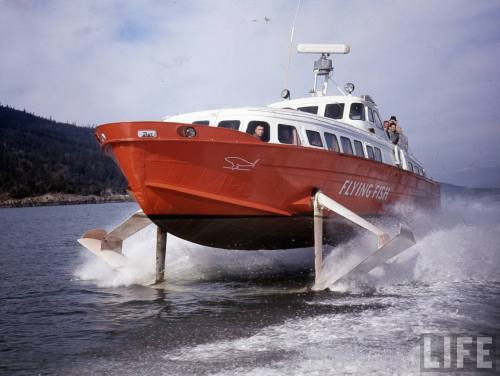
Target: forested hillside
[[39, 156]]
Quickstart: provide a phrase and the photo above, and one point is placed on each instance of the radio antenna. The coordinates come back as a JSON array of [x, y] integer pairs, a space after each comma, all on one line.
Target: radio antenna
[[291, 44]]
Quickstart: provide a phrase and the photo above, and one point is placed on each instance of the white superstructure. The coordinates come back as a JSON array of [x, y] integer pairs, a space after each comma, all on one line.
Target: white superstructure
[[342, 123]]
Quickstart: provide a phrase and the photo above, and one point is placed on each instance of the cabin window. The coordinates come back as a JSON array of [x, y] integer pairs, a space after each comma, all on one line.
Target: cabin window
[[357, 111], [288, 134], [410, 167], [201, 122], [252, 127], [369, 151], [370, 114], [331, 142], [378, 122], [230, 124], [314, 138], [378, 154], [334, 110], [346, 145], [358, 148], [309, 109]]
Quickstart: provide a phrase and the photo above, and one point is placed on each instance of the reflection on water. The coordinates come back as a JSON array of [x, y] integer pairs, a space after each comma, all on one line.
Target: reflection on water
[[224, 312]]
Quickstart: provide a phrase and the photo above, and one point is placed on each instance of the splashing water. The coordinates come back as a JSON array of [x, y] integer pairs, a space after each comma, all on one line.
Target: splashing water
[[187, 262], [459, 242]]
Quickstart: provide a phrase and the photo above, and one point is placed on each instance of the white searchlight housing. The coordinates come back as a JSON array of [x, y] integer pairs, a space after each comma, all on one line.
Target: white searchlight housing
[[349, 88]]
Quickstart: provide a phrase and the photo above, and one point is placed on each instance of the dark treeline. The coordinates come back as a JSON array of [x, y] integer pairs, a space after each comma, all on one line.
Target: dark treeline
[[39, 156]]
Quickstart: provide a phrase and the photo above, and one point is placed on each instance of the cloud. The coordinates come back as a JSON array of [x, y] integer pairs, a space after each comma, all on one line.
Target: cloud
[[435, 64]]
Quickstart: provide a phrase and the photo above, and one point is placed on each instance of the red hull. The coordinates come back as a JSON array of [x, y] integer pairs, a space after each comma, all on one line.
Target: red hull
[[222, 173]]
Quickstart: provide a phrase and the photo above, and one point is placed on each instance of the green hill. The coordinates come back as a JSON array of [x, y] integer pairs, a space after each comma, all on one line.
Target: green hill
[[39, 156]]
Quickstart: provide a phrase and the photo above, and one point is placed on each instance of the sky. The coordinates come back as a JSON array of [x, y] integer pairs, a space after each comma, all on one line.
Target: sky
[[435, 64]]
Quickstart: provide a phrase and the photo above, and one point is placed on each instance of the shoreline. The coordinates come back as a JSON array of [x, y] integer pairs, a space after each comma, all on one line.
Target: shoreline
[[56, 199]]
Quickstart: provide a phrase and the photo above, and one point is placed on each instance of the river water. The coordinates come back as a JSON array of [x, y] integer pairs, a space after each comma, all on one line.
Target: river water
[[64, 312]]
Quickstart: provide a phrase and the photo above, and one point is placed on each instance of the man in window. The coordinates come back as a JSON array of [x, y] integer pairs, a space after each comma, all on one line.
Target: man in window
[[258, 132]]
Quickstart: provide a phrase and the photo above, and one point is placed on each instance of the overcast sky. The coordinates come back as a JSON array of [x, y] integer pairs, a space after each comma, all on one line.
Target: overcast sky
[[435, 64]]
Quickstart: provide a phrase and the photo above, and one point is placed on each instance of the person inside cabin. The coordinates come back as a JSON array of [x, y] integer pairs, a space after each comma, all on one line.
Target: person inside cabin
[[258, 132], [285, 136]]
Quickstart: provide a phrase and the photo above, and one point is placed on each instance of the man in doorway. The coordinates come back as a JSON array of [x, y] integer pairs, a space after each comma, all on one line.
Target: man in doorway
[[386, 128], [393, 133]]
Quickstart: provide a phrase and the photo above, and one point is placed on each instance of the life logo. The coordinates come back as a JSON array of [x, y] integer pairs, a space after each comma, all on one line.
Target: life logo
[[239, 164]]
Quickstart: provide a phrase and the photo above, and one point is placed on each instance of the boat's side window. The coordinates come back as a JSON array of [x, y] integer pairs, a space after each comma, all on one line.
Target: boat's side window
[[370, 114], [288, 134], [331, 142], [378, 154], [309, 109], [201, 122], [255, 125], [358, 148], [314, 138], [369, 151], [357, 111], [378, 122], [334, 110], [230, 124], [346, 145]]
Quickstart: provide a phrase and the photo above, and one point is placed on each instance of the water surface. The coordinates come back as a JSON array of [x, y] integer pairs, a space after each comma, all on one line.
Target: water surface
[[223, 312]]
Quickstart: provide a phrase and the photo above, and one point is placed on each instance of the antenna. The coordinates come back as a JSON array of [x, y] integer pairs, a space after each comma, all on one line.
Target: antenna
[[285, 90], [323, 66]]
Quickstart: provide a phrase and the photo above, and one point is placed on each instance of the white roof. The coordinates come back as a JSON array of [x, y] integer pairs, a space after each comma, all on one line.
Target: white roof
[[308, 101]]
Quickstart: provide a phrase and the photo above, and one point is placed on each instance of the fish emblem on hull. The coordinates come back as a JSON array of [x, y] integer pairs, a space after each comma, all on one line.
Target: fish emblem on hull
[[239, 164]]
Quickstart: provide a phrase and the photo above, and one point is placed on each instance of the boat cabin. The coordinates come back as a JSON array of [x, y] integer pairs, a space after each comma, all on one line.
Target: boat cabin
[[295, 126], [343, 124], [359, 112]]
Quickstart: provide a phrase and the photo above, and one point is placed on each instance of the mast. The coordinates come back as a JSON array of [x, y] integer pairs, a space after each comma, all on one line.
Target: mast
[[323, 67]]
